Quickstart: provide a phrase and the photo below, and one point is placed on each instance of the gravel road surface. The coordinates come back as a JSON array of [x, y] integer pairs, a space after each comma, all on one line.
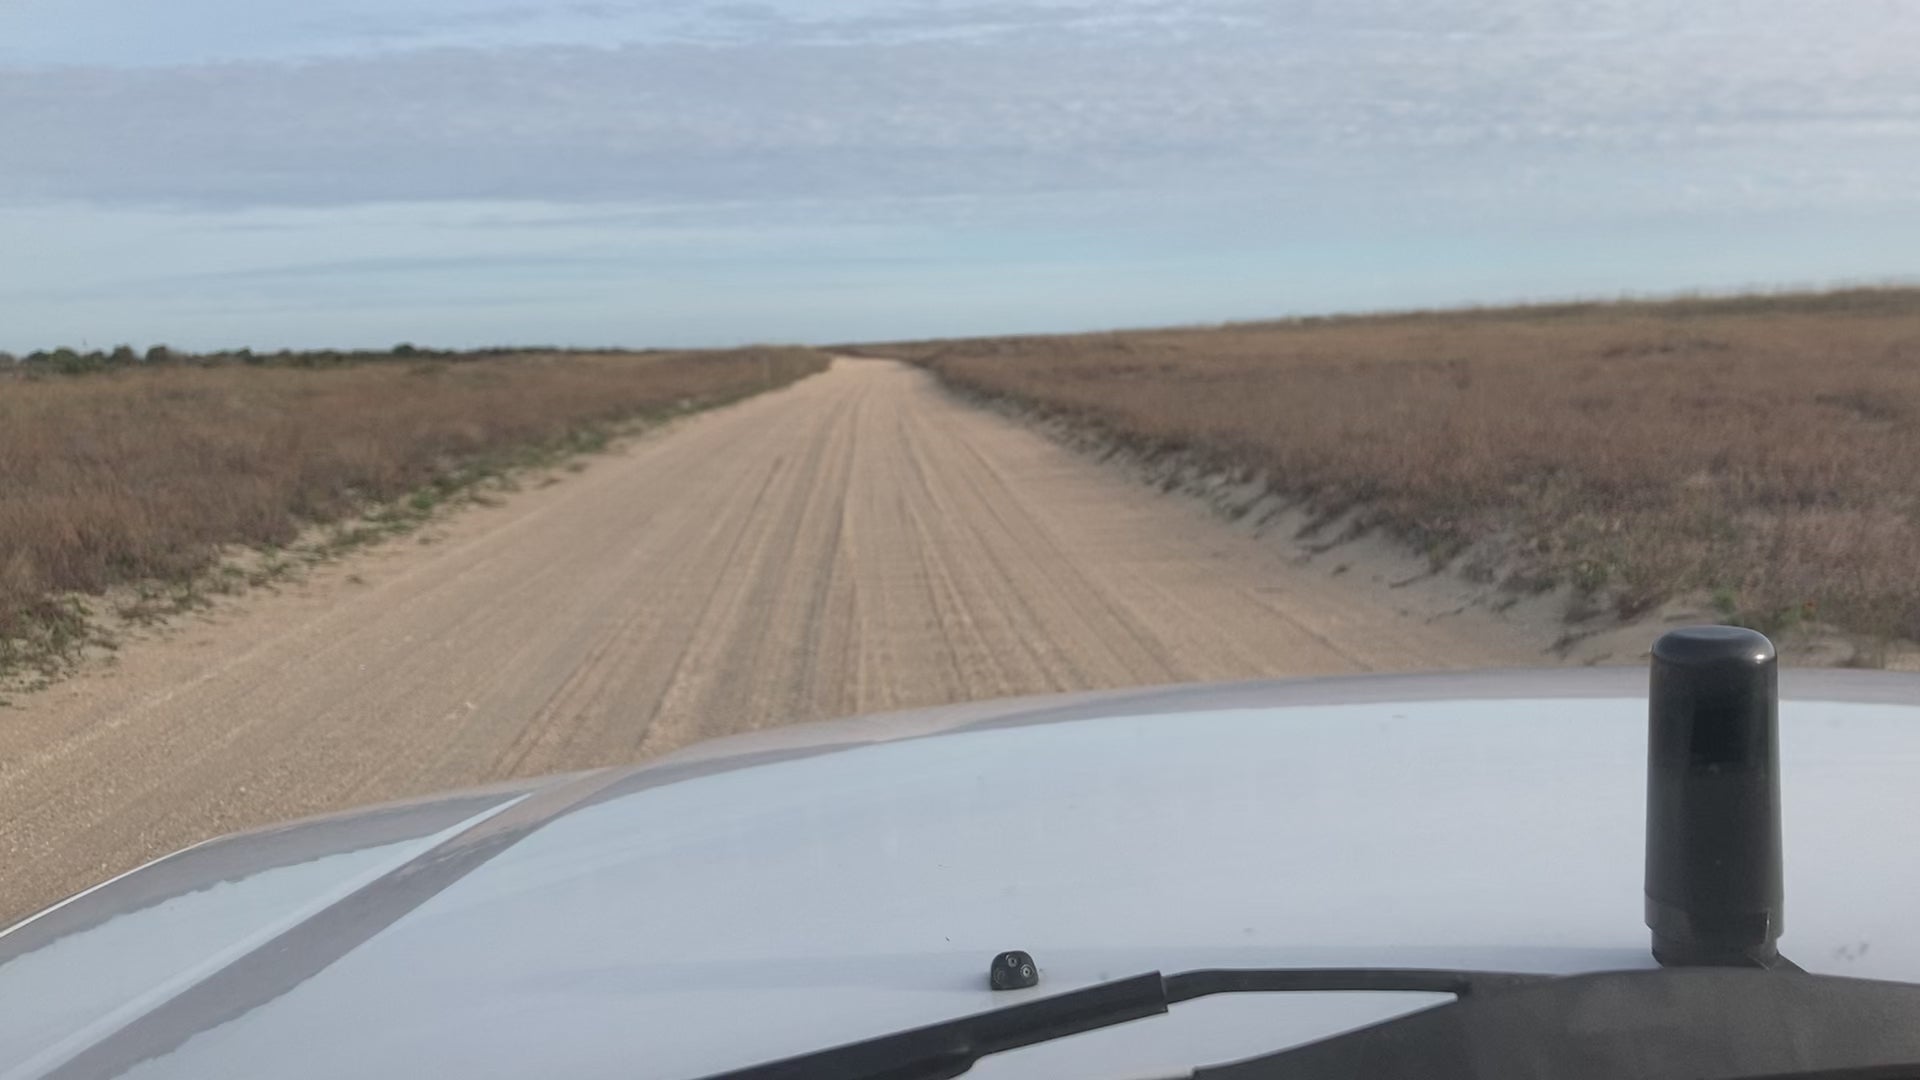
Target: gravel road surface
[[855, 543]]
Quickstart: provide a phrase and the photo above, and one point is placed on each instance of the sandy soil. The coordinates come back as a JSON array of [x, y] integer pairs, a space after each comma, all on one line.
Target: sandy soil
[[856, 543]]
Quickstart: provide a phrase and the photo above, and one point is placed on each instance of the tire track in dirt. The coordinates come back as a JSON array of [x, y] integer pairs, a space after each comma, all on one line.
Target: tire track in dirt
[[858, 542]]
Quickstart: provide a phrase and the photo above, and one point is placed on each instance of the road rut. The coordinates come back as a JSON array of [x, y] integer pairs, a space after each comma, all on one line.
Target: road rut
[[858, 542]]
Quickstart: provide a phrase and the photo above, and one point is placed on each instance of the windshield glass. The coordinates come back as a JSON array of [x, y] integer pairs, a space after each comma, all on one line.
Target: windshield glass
[[1146, 485]]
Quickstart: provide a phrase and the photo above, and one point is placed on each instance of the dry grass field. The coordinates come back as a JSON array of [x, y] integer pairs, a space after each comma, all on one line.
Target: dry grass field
[[1763, 449], [144, 475]]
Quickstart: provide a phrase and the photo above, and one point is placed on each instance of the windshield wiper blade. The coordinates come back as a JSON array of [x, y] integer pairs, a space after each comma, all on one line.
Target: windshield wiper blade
[[950, 1047], [1188, 985]]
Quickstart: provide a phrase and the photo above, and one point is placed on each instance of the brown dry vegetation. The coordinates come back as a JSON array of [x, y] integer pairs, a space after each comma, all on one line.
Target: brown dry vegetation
[[1765, 448], [144, 475]]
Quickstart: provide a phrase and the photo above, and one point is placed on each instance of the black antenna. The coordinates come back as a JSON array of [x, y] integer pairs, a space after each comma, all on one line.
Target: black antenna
[[1714, 894]]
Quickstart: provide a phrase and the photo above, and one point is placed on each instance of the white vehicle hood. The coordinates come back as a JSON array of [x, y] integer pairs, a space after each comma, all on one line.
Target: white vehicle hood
[[760, 897]]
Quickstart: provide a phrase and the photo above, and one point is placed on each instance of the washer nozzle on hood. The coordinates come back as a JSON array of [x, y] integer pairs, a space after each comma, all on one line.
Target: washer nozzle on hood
[[1713, 799]]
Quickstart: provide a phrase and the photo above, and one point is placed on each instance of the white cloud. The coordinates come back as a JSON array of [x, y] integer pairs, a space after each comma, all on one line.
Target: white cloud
[[1067, 97], [501, 140]]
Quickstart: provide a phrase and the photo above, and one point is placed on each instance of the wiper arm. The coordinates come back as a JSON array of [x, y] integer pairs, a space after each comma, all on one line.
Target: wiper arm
[[1781, 1024], [950, 1047]]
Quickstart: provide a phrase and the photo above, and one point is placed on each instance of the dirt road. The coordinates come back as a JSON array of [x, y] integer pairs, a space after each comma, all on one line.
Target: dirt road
[[858, 542]]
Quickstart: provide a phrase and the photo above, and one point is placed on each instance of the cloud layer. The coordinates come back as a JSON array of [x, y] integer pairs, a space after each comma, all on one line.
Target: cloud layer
[[1178, 130], [1218, 97]]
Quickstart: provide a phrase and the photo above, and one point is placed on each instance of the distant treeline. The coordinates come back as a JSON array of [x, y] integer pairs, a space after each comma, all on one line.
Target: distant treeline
[[66, 361]]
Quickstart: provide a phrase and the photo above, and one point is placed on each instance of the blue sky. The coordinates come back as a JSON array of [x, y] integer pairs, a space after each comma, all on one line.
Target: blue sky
[[212, 173]]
